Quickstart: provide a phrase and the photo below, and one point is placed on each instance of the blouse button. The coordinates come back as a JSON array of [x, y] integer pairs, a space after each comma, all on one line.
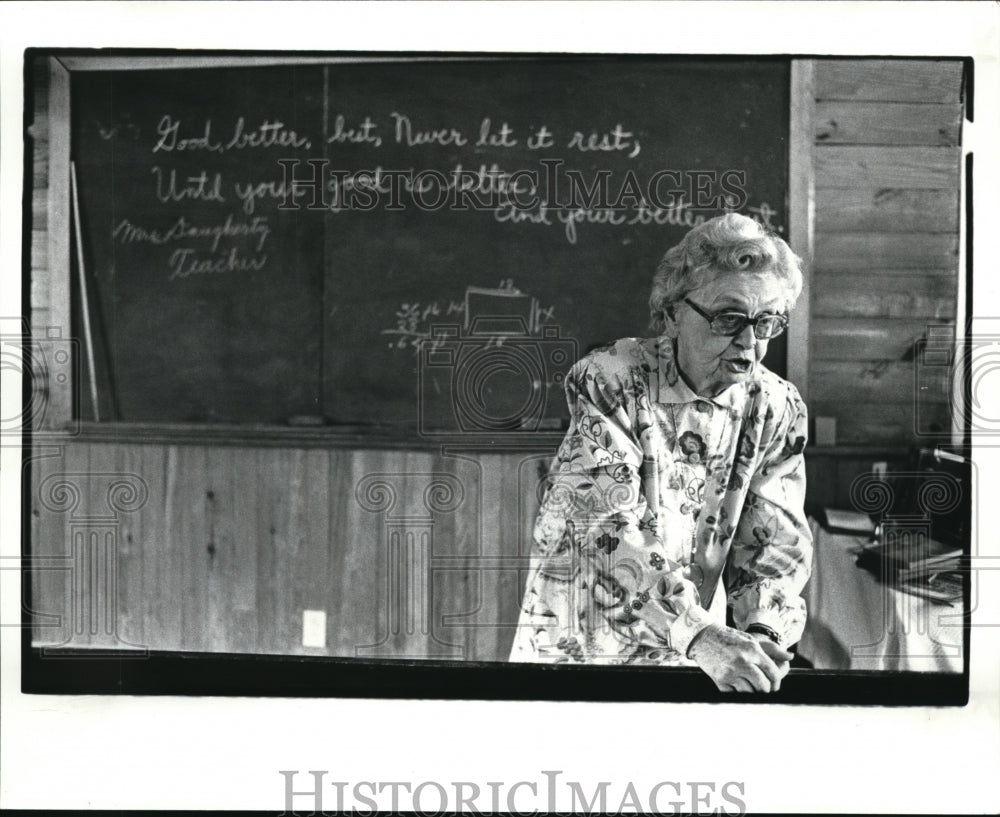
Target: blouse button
[[695, 574]]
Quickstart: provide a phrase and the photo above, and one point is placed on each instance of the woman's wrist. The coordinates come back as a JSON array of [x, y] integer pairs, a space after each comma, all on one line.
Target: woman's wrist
[[763, 629]]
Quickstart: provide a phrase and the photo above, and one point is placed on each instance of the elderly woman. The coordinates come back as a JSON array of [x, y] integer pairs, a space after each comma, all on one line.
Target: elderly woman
[[678, 490]]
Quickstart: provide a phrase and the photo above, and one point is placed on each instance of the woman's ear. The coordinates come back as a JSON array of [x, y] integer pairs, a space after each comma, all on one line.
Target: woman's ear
[[670, 327]]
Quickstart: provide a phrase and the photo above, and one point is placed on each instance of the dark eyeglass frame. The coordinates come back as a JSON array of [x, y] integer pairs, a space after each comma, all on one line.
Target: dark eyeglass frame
[[759, 330]]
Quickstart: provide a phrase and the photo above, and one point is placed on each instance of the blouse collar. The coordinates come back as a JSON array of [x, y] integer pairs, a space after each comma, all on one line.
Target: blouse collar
[[673, 389]]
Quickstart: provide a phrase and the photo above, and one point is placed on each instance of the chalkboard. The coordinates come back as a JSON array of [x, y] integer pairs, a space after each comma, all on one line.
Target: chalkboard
[[475, 226]]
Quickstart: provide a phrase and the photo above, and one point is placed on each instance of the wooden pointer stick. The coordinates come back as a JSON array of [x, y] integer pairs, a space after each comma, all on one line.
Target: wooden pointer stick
[[88, 337]]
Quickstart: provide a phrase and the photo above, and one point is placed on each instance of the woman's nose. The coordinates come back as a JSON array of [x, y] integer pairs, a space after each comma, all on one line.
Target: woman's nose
[[746, 339]]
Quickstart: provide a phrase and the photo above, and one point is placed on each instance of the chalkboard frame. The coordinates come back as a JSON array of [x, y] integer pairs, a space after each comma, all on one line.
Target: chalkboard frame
[[62, 396]]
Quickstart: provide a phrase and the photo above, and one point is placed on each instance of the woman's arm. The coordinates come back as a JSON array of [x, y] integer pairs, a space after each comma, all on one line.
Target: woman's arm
[[771, 555], [596, 516]]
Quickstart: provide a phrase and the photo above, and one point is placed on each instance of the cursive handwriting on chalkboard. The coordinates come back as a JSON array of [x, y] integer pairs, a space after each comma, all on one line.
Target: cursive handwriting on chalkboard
[[266, 134], [617, 139], [362, 134], [200, 187], [407, 134], [183, 229], [186, 261]]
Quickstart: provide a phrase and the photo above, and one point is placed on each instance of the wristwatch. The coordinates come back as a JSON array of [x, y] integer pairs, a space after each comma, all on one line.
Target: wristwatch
[[763, 629]]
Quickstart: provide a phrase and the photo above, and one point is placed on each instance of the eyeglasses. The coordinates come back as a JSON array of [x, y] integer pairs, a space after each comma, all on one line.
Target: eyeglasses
[[730, 323]]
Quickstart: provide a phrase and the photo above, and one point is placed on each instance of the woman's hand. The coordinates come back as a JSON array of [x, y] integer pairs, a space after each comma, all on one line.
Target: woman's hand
[[739, 662]]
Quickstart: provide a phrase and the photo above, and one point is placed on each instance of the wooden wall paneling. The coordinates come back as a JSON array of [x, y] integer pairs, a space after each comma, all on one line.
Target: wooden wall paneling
[[290, 511], [341, 507], [861, 252], [865, 339], [926, 81], [520, 510], [884, 294], [191, 542], [103, 464], [496, 527], [359, 544], [85, 544], [31, 550], [420, 610], [801, 213], [276, 471], [883, 421], [129, 591], [221, 465], [888, 123], [174, 563], [481, 609], [57, 256], [455, 576], [881, 166], [245, 486], [311, 572], [40, 249], [51, 546], [886, 210], [40, 204], [872, 380], [160, 566]]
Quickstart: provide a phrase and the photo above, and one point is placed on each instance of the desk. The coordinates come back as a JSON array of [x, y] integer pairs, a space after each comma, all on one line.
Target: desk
[[855, 622]]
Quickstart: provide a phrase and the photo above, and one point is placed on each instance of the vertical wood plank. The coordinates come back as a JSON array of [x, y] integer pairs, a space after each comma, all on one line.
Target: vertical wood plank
[[801, 213], [358, 538], [57, 263], [460, 587], [274, 472], [245, 536], [193, 545], [169, 616], [312, 568], [161, 613], [50, 545], [220, 463], [130, 589]]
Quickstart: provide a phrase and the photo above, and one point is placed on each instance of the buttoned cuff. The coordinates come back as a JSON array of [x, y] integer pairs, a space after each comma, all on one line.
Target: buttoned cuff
[[687, 625]]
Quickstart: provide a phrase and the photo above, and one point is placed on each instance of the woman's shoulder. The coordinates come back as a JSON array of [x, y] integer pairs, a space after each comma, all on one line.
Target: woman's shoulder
[[622, 356], [615, 370], [779, 394]]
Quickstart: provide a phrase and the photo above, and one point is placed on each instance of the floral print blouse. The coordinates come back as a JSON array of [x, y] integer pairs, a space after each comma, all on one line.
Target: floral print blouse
[[663, 508]]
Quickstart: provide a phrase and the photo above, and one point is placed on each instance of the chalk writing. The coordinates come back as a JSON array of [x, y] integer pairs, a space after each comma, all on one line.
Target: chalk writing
[[362, 134], [170, 139], [407, 134], [201, 187], [617, 139], [503, 138], [570, 218], [483, 311], [186, 261], [126, 232], [540, 139], [267, 134]]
